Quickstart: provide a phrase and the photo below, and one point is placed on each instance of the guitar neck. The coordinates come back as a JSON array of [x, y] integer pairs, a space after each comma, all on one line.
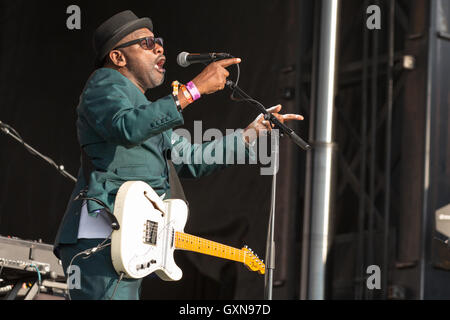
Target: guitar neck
[[187, 242]]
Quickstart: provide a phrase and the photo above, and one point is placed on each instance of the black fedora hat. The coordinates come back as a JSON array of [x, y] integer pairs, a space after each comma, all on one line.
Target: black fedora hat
[[115, 29]]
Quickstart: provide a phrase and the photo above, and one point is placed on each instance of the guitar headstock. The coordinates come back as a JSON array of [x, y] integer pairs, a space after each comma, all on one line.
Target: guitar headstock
[[252, 261]]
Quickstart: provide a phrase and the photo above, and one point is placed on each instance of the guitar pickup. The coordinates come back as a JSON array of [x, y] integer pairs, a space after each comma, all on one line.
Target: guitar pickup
[[151, 233]]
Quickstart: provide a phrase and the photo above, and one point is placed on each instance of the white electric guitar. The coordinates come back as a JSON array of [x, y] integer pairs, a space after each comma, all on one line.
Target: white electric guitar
[[152, 229]]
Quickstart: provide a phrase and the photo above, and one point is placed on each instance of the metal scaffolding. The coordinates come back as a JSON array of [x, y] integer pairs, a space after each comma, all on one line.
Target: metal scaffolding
[[366, 92]]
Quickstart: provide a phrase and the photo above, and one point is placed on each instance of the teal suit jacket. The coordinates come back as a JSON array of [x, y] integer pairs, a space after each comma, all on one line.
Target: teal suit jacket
[[128, 138]]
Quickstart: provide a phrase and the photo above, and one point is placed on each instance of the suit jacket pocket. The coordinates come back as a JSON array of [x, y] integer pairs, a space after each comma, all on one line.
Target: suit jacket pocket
[[133, 172]]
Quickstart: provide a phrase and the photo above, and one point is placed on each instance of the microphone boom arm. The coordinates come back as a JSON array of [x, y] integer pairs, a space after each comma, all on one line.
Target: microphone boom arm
[[8, 130], [271, 118]]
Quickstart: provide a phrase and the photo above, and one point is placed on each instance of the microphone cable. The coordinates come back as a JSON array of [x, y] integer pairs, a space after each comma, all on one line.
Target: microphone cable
[[275, 123], [234, 86]]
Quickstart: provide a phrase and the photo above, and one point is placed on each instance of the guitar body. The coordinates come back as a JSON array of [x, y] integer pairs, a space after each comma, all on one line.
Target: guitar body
[[145, 241], [152, 229]]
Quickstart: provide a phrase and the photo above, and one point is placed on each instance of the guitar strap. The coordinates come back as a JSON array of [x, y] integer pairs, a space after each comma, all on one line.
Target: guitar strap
[[176, 189], [87, 166]]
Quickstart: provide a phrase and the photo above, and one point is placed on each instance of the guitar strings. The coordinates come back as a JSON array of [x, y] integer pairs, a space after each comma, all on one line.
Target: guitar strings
[[184, 236], [193, 240]]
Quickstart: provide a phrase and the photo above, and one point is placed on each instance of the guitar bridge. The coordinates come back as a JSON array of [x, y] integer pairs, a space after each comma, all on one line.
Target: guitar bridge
[[151, 233]]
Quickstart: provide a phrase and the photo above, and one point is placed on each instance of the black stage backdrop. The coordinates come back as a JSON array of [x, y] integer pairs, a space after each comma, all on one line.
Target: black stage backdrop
[[43, 69]]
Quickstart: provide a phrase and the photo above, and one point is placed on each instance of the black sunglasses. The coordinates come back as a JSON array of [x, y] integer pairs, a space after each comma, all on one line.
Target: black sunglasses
[[147, 43]]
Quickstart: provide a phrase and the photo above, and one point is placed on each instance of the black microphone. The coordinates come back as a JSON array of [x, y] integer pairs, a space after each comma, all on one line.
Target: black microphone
[[185, 59]]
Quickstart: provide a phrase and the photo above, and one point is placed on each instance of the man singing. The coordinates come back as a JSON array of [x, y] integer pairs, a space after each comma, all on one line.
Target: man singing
[[124, 137]]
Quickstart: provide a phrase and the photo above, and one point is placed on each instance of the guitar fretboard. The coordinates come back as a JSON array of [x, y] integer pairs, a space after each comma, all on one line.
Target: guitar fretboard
[[187, 242]]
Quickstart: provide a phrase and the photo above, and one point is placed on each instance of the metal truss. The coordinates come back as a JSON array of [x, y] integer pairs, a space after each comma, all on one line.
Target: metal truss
[[368, 89]]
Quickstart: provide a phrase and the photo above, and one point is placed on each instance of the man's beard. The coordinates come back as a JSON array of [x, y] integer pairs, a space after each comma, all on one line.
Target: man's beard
[[161, 82], [149, 80]]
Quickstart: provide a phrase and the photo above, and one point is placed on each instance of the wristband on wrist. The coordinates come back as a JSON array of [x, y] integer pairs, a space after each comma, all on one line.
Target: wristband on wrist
[[193, 91], [176, 86], [187, 94]]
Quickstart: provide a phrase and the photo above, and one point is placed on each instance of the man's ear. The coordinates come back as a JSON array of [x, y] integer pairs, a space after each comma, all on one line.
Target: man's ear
[[118, 58]]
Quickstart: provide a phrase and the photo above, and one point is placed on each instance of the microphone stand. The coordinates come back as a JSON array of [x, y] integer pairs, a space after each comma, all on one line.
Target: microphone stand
[[270, 245], [8, 130], [284, 130]]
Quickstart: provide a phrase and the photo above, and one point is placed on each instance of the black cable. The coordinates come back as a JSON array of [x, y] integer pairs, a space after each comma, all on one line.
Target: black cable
[[117, 285], [88, 253], [114, 223], [275, 123]]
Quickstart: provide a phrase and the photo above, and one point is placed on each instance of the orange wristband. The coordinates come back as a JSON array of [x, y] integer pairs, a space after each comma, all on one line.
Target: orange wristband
[[175, 86], [187, 94]]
